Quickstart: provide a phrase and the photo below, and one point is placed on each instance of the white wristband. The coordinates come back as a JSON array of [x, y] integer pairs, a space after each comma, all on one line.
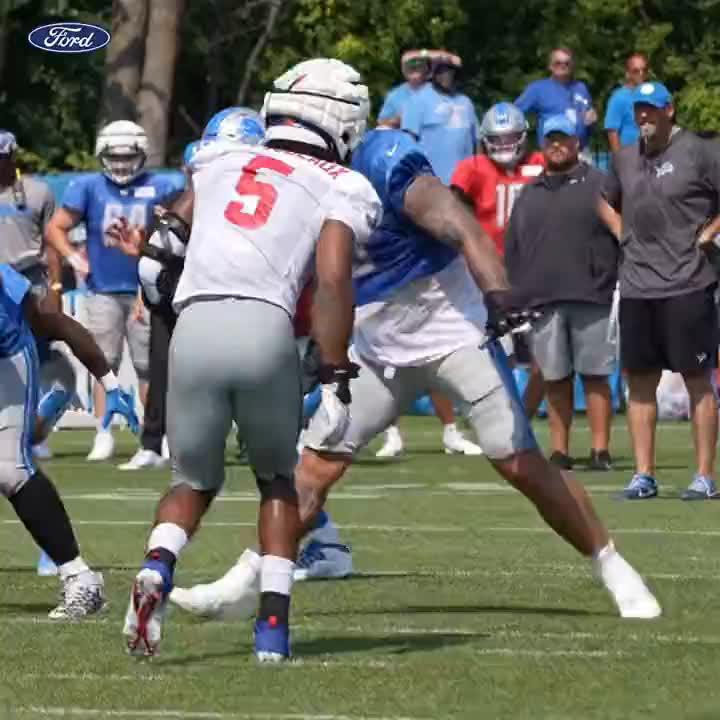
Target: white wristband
[[109, 381]]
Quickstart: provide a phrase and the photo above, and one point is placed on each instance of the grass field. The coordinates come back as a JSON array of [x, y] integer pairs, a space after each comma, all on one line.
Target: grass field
[[464, 605]]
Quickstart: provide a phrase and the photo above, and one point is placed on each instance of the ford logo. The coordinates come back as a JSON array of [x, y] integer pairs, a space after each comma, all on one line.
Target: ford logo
[[69, 37]]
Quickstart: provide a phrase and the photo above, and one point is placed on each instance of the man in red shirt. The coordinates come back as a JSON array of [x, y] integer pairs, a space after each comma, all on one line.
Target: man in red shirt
[[490, 183]]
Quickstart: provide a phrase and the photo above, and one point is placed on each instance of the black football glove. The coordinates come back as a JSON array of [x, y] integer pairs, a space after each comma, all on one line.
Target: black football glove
[[332, 418], [504, 316]]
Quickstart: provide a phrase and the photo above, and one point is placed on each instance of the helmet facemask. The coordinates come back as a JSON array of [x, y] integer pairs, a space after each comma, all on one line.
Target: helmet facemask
[[122, 165], [506, 149]]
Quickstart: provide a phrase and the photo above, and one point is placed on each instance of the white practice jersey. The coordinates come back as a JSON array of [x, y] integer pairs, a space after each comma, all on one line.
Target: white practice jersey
[[257, 218], [423, 321]]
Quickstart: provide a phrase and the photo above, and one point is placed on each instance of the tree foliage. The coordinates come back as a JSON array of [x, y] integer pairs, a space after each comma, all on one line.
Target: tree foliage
[[54, 101]]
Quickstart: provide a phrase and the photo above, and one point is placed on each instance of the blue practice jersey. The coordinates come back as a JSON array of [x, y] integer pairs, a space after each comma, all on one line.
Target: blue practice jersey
[[15, 333], [100, 201], [397, 252]]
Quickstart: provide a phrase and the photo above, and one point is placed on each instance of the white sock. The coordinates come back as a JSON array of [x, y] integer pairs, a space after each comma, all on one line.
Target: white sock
[[605, 554], [276, 574], [169, 536], [450, 427], [74, 567], [99, 426]]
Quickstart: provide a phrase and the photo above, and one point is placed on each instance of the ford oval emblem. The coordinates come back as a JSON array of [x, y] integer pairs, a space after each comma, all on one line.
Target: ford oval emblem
[[69, 37]]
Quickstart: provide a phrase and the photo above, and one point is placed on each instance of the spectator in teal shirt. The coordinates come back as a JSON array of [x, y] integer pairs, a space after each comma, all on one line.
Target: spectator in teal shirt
[[443, 119], [415, 65], [620, 122]]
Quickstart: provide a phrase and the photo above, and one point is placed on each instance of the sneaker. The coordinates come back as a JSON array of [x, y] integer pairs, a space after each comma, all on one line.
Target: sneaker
[[165, 450], [103, 446], [641, 487], [393, 445], [600, 461], [81, 595], [46, 567], [144, 460], [234, 596], [272, 641], [457, 444], [701, 488], [323, 561], [561, 460], [626, 587], [42, 451], [145, 613]]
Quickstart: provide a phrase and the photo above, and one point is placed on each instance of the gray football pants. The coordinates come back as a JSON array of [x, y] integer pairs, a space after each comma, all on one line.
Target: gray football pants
[[232, 359]]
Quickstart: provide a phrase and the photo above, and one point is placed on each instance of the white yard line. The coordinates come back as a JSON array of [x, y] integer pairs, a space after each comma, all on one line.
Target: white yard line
[[44, 711]]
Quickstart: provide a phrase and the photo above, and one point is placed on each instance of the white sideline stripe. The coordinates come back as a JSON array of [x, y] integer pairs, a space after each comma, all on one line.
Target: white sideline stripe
[[189, 715]]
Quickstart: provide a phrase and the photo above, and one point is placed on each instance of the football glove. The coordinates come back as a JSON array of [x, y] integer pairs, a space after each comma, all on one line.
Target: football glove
[[331, 420], [120, 402], [504, 317]]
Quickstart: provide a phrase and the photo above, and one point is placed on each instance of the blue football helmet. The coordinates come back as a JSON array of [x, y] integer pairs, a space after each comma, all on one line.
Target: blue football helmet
[[235, 124], [503, 133]]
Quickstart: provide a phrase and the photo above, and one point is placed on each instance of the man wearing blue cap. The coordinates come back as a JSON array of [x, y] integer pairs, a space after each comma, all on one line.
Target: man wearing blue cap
[[667, 187], [562, 260]]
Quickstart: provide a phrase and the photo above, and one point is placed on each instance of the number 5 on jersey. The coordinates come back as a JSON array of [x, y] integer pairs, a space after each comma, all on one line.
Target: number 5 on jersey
[[256, 198]]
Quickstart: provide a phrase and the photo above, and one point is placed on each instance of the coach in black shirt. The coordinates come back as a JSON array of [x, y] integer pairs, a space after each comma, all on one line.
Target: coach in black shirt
[[562, 260], [666, 188]]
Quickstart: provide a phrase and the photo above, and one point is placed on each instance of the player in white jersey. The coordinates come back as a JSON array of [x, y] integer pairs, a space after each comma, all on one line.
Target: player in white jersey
[[260, 216], [421, 325]]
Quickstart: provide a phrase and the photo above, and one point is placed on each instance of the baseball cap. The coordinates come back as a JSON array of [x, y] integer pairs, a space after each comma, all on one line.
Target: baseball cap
[[652, 93], [8, 143], [559, 124]]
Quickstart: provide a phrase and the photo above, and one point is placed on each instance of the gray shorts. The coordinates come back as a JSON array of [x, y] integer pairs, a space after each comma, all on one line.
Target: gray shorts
[[109, 318], [232, 360], [573, 337], [480, 380], [19, 378]]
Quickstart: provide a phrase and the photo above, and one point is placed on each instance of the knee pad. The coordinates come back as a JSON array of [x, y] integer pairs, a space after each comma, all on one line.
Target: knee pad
[[13, 478], [277, 487]]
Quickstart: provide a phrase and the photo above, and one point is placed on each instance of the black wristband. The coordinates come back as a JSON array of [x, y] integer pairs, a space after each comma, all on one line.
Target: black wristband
[[337, 373]]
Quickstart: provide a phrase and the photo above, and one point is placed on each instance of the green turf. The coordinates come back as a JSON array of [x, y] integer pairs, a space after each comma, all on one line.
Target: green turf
[[466, 607]]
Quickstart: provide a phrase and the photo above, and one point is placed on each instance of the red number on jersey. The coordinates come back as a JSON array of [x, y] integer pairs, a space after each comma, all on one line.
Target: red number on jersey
[[258, 198]]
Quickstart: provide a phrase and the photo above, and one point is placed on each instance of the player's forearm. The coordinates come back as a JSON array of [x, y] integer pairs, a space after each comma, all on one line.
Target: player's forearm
[[333, 315], [435, 209], [613, 140], [54, 266], [58, 239]]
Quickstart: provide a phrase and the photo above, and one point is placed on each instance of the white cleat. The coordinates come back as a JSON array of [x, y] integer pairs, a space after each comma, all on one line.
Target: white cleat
[[235, 595], [457, 444], [628, 591], [393, 445], [145, 613], [144, 460], [103, 446], [165, 450], [42, 451], [323, 561], [81, 595]]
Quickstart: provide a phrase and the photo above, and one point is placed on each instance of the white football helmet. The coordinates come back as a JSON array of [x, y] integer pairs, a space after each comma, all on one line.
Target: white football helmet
[[325, 98], [122, 149], [503, 133]]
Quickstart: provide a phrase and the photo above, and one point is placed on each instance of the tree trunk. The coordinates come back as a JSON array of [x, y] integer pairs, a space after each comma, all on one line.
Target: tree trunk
[[123, 64], [273, 11], [161, 48]]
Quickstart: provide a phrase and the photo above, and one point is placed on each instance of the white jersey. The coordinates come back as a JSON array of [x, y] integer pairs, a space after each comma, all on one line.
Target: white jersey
[[422, 321], [257, 218]]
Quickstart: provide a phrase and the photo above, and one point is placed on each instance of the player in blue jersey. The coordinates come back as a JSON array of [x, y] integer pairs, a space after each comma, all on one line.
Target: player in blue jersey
[[30, 492], [432, 298], [114, 309]]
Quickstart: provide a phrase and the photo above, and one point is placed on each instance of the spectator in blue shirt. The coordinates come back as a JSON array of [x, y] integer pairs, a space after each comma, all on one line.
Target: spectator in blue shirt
[[620, 117], [560, 94], [415, 65], [443, 119]]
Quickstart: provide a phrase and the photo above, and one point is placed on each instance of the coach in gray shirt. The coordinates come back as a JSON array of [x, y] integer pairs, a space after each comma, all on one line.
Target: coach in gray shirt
[[562, 260], [666, 188]]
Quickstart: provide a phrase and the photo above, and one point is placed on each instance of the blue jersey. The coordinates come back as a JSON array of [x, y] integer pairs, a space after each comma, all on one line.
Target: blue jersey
[[397, 252], [620, 116], [15, 333], [548, 97], [99, 201]]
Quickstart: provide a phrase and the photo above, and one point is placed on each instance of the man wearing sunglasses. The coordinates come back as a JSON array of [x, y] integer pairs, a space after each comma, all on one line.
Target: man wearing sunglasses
[[620, 122], [560, 94]]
